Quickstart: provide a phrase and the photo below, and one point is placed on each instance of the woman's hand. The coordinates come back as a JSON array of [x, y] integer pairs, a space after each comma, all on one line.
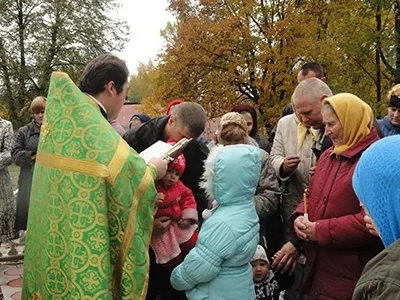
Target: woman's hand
[[305, 230], [370, 225]]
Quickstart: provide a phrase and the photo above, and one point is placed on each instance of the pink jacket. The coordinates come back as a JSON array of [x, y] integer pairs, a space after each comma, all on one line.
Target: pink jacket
[[344, 245]]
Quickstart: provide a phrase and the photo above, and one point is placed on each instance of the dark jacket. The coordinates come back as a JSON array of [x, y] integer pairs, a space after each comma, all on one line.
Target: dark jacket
[[264, 144], [143, 136], [344, 245], [380, 279], [25, 146], [387, 127]]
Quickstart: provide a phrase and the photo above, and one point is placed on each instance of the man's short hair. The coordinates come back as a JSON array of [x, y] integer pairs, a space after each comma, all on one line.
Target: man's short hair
[[100, 71], [313, 88], [312, 66], [192, 116]]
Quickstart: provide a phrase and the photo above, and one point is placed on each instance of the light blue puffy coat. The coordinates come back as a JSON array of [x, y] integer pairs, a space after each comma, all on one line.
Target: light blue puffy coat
[[218, 267]]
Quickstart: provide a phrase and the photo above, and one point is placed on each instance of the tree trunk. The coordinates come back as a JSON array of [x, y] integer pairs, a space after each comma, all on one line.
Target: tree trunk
[[378, 20], [397, 40]]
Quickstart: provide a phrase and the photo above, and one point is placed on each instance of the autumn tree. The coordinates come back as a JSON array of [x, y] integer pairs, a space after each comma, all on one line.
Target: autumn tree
[[226, 52], [41, 36], [221, 52], [141, 84]]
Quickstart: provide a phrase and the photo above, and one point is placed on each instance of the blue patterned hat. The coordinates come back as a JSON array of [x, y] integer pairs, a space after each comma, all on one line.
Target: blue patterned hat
[[376, 183]]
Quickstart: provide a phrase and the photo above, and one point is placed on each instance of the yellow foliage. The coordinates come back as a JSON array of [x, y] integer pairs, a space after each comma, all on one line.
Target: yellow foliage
[[220, 54], [4, 111]]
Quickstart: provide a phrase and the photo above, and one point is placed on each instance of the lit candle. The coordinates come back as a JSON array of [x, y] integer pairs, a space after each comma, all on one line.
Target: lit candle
[[305, 205]]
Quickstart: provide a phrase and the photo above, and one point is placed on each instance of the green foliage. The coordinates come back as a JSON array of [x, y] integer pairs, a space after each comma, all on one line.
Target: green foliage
[[142, 83], [39, 37], [4, 111]]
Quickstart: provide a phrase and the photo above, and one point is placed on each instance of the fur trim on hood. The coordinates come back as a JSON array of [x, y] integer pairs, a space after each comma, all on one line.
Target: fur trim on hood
[[207, 180]]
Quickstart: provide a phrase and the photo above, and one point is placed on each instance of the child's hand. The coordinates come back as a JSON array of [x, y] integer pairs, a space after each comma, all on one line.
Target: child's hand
[[159, 199], [185, 223]]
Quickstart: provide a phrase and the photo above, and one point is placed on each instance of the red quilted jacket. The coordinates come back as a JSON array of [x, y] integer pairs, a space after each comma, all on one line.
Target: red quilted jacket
[[343, 247]]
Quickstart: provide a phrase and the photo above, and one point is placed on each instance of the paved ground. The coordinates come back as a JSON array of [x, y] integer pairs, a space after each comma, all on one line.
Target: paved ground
[[11, 280], [11, 270]]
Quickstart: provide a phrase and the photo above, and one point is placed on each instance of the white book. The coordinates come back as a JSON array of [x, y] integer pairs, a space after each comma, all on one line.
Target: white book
[[164, 150]]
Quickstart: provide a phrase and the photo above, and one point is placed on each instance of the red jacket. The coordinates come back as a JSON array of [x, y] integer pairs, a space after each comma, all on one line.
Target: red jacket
[[179, 202], [343, 247]]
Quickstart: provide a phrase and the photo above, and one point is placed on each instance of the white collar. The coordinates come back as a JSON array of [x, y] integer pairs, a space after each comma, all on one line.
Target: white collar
[[98, 102]]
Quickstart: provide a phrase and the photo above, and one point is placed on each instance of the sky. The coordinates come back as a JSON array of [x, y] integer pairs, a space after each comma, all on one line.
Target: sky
[[145, 18]]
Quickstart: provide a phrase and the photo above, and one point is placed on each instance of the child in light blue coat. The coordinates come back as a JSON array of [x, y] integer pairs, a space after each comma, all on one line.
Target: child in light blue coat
[[218, 267]]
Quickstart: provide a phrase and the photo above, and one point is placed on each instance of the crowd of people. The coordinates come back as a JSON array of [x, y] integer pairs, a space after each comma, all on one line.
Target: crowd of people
[[311, 213]]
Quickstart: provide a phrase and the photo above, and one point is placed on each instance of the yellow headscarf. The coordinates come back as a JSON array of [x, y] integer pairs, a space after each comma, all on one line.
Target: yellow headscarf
[[354, 115]]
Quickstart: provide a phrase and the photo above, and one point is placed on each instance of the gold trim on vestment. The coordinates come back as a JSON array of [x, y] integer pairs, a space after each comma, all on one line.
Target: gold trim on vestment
[[118, 160], [72, 164], [60, 74], [128, 235]]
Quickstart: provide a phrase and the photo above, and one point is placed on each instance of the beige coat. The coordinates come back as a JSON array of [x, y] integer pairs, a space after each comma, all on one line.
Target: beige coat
[[286, 143]]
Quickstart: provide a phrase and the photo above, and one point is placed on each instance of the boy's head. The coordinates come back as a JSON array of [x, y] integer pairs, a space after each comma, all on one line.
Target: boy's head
[[260, 264], [232, 129], [175, 171], [187, 120]]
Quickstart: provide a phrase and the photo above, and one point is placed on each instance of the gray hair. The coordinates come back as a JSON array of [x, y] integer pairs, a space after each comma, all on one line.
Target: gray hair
[[328, 107], [313, 88], [192, 116]]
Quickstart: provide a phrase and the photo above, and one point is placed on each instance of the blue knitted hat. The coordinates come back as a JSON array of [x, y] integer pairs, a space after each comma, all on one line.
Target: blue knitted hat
[[376, 183]]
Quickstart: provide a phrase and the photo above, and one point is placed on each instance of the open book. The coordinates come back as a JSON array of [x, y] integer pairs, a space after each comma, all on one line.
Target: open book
[[164, 150]]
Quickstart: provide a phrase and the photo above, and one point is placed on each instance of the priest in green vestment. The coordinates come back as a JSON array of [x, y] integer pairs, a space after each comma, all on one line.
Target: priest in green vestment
[[91, 208]]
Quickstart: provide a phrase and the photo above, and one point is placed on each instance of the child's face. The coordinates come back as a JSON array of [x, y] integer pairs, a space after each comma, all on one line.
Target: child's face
[[260, 270], [171, 177]]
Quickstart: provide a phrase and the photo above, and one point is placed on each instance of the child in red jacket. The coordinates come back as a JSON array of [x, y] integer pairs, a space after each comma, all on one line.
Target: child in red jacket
[[176, 201]]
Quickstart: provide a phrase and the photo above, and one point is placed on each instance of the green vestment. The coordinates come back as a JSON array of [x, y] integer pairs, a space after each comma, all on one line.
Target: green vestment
[[91, 208]]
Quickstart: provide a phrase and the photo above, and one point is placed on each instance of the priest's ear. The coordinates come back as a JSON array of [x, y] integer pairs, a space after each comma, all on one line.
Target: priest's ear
[[110, 87]]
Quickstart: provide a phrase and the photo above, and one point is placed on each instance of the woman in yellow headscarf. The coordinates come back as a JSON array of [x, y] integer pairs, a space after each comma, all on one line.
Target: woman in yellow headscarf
[[337, 243]]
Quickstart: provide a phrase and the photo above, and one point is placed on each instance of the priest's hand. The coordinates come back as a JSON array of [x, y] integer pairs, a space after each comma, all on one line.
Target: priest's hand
[[161, 166]]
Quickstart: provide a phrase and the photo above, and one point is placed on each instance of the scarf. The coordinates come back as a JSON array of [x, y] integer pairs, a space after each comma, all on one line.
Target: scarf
[[302, 132], [354, 115], [267, 289]]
